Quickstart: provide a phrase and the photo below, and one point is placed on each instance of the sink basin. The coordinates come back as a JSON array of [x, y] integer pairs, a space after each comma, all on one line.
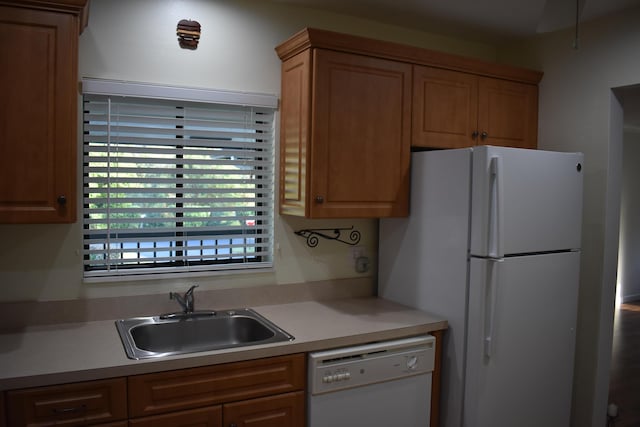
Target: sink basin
[[167, 335]]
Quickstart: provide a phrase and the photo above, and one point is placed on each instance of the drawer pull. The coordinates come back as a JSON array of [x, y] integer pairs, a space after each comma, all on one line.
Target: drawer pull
[[81, 408]]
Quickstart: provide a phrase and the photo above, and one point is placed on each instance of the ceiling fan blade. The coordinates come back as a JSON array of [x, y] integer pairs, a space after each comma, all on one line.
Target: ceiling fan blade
[[560, 14]]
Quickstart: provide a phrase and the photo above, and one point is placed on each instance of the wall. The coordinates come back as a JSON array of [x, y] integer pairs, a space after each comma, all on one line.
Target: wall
[[629, 263], [579, 112], [135, 40]]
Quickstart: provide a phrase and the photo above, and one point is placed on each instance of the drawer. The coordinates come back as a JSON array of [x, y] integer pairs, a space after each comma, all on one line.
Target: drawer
[[114, 424], [205, 417], [78, 404], [197, 387], [281, 410]]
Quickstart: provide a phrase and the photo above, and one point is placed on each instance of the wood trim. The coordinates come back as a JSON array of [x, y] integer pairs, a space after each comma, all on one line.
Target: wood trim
[[295, 116], [3, 413], [316, 38], [435, 381], [78, 8]]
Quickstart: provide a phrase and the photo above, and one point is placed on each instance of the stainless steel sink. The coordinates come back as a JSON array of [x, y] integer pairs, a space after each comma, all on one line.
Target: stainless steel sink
[[171, 334]]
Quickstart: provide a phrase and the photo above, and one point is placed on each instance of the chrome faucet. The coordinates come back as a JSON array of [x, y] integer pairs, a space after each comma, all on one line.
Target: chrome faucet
[[186, 301]]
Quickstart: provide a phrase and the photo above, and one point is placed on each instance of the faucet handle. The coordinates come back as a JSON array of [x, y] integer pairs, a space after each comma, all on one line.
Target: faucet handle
[[186, 301]]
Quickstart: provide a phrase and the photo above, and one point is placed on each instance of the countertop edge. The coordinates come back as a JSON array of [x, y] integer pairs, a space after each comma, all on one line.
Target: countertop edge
[[363, 320]]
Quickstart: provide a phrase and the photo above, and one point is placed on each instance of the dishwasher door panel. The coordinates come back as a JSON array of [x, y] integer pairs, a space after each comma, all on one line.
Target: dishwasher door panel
[[402, 402]]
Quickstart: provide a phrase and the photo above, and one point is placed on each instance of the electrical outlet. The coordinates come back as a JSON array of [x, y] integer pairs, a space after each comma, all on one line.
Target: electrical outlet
[[357, 252], [362, 264], [612, 410]]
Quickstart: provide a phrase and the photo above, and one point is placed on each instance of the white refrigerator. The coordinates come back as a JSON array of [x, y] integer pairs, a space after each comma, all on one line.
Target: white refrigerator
[[492, 244]]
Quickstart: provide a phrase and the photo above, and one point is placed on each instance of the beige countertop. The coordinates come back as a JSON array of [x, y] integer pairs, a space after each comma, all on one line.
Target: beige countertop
[[69, 352]]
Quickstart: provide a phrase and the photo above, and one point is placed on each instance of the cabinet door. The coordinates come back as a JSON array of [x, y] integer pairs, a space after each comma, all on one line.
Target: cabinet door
[[38, 123], [445, 108], [205, 417], [360, 136], [77, 404], [162, 392], [507, 113], [284, 410], [294, 133]]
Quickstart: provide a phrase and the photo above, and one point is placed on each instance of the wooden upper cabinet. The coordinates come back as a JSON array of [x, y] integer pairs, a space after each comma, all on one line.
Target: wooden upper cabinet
[[507, 113], [452, 109], [353, 107], [445, 108], [361, 136], [345, 135], [38, 123]]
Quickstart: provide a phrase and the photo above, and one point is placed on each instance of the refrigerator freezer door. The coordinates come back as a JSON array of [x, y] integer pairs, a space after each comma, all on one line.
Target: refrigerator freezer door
[[521, 340], [525, 201], [423, 258]]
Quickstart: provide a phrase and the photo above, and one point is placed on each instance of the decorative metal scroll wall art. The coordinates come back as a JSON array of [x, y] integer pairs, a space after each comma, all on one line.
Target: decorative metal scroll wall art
[[330, 234], [188, 33]]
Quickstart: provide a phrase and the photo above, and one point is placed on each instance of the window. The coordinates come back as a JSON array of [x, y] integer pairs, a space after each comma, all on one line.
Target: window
[[172, 185]]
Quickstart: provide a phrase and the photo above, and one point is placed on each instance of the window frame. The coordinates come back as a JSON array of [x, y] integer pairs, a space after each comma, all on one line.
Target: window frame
[[176, 94]]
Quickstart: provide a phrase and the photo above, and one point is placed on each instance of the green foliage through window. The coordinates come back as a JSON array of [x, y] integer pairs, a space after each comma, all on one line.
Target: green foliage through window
[[176, 186]]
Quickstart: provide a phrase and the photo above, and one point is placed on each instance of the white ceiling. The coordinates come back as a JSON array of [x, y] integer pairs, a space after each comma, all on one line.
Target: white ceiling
[[486, 20]]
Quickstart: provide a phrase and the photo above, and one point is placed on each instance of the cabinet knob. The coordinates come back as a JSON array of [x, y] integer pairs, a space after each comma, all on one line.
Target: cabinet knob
[[474, 134], [319, 199], [484, 135], [233, 425], [62, 200]]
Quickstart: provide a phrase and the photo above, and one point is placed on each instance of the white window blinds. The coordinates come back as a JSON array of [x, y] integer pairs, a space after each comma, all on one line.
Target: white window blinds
[[173, 186]]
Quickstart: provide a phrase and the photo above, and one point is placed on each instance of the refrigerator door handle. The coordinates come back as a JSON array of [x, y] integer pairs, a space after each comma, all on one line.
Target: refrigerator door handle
[[491, 293], [496, 209]]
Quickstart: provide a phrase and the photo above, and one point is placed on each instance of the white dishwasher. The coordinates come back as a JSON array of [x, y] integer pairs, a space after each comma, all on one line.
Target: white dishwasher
[[374, 385]]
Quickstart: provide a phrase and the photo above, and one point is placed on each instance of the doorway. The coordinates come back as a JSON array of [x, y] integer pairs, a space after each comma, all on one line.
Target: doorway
[[625, 353]]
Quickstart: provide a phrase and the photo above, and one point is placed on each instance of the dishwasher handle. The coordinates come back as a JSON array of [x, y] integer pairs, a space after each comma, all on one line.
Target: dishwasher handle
[[351, 367]]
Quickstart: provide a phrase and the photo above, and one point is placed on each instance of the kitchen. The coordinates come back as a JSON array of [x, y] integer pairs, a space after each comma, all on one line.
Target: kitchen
[[574, 115]]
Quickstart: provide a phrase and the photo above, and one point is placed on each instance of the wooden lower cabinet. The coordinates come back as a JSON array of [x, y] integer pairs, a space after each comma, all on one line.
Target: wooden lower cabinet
[[267, 392], [78, 404], [284, 410], [258, 393], [171, 391], [115, 424], [205, 417]]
